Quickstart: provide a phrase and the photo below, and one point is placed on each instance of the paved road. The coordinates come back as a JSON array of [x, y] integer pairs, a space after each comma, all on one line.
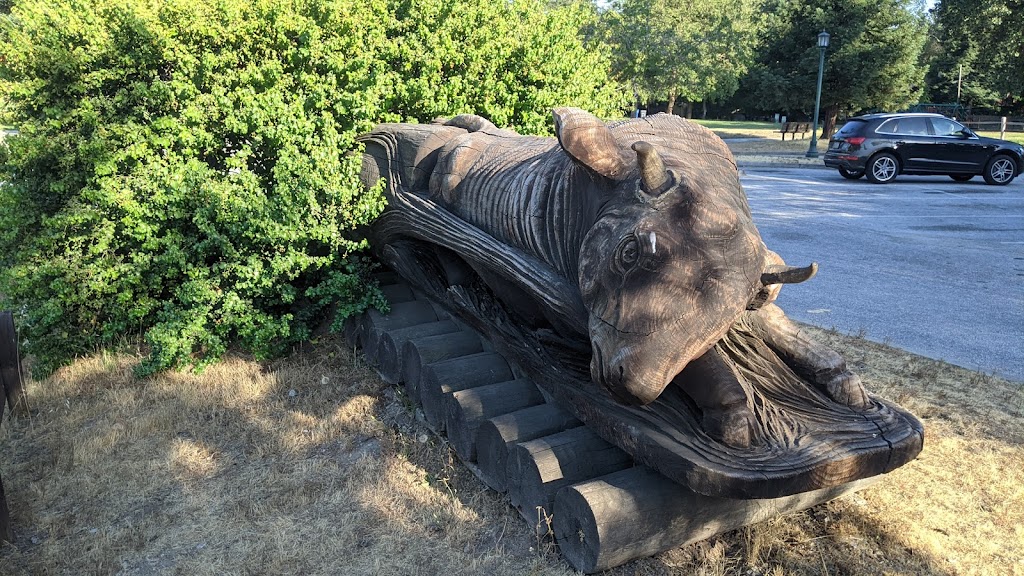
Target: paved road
[[926, 264]]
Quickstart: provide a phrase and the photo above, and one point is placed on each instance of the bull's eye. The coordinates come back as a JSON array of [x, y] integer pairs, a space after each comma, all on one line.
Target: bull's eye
[[628, 254]]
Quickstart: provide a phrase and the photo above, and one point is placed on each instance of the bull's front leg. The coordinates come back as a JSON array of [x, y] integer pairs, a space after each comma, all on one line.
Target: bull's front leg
[[711, 382], [818, 364]]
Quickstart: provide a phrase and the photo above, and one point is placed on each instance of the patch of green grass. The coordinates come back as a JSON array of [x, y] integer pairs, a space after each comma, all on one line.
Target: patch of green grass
[[1017, 137], [736, 126]]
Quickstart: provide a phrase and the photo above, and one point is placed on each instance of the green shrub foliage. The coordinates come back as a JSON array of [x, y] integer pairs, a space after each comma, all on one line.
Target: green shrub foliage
[[183, 169]]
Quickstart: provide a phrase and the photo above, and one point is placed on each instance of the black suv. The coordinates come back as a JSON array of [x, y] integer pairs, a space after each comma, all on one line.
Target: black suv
[[884, 145]]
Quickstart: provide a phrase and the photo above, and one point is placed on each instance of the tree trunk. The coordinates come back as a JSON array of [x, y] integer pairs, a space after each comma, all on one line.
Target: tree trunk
[[671, 102], [704, 110], [828, 120], [688, 110]]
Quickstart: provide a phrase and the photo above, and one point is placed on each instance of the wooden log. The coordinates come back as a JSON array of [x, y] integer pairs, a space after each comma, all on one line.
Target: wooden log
[[384, 277], [6, 534], [395, 293], [537, 469], [401, 315], [466, 409], [636, 512], [419, 352], [391, 343], [10, 366], [496, 437], [353, 331], [5, 514], [456, 372]]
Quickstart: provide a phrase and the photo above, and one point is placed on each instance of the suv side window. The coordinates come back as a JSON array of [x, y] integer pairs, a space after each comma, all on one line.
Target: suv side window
[[887, 127], [945, 127], [913, 126]]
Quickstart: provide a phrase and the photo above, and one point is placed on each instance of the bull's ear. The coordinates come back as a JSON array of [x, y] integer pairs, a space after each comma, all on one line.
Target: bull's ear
[[590, 143]]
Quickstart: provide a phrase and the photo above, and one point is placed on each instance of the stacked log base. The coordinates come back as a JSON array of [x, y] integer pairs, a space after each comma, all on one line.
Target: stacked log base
[[633, 513], [602, 509]]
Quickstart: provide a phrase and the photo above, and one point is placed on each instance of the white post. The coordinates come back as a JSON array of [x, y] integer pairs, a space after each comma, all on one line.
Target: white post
[[1002, 127]]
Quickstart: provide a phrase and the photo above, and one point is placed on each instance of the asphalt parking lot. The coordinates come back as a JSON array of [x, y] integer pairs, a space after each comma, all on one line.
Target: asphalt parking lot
[[925, 264]]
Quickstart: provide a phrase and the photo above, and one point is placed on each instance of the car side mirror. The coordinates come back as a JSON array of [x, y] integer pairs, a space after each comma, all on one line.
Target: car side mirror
[[966, 133]]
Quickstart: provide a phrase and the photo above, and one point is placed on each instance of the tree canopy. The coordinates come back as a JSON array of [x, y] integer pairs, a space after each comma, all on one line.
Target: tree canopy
[[872, 61], [696, 50], [978, 47]]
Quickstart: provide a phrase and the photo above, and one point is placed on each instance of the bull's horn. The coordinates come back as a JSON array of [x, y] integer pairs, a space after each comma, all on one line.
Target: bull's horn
[[655, 178], [775, 274]]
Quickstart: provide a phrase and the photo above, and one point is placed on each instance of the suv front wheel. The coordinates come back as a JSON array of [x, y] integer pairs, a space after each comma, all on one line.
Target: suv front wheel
[[883, 168], [1000, 170]]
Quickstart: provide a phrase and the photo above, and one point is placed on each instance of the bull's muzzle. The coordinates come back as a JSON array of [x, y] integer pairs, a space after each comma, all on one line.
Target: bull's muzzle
[[634, 370]]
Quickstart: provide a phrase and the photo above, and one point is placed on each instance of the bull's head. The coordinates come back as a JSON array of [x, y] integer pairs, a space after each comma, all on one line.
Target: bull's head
[[673, 258]]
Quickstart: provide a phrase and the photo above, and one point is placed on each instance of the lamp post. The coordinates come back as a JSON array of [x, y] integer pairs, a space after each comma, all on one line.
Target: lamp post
[[812, 151]]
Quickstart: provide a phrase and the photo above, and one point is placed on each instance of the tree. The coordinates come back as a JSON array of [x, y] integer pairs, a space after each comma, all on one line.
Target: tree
[[511, 62], [978, 51], [872, 61], [696, 50]]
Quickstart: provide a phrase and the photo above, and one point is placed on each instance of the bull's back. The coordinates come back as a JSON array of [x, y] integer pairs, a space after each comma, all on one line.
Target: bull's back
[[516, 189]]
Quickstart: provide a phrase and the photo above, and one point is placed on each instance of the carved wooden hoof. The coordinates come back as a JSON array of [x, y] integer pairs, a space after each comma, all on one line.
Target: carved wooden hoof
[[732, 425], [846, 388]]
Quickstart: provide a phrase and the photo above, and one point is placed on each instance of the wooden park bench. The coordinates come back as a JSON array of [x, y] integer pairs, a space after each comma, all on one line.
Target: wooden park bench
[[795, 128]]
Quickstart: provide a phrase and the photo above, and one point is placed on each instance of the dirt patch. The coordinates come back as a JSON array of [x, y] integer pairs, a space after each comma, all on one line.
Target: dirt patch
[[312, 465]]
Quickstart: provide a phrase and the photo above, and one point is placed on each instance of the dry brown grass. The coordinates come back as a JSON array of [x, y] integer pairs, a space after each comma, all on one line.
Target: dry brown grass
[[230, 472]]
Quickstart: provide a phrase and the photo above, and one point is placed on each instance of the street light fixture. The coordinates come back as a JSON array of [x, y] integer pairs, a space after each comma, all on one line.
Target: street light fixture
[[812, 151]]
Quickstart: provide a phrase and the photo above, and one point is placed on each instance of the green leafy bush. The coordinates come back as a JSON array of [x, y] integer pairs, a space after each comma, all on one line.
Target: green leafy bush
[[183, 171]]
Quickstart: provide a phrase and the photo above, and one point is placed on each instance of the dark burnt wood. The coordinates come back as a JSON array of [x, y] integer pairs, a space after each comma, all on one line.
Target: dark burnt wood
[[602, 523], [804, 441], [461, 372], [391, 343], [401, 315], [465, 410], [537, 469], [419, 353], [13, 397], [6, 533], [493, 230], [10, 366], [497, 435]]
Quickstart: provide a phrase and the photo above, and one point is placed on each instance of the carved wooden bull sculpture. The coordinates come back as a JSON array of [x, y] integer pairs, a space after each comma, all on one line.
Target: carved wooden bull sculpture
[[643, 221]]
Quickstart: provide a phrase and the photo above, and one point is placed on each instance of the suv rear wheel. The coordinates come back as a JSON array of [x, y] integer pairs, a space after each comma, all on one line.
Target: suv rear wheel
[[883, 168], [1000, 170]]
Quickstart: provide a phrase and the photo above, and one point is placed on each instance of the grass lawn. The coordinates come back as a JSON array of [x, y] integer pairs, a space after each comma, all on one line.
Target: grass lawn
[[313, 465], [1017, 137]]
